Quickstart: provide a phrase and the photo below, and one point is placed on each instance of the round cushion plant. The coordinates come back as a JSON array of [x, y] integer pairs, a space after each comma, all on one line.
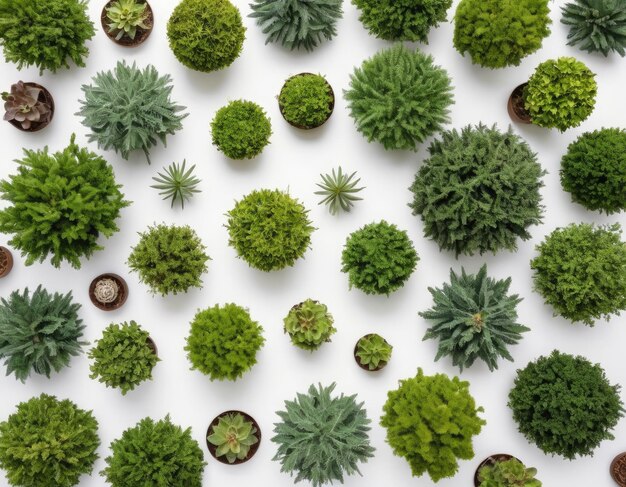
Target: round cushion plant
[[241, 129], [306, 100], [309, 325], [507, 473]]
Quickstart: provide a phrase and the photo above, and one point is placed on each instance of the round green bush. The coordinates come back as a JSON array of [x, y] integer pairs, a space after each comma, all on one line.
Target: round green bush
[[594, 170], [309, 325], [206, 35], [306, 100], [241, 129]]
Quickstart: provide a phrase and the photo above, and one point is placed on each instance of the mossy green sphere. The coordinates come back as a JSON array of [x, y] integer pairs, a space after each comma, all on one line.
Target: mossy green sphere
[[241, 130], [306, 100]]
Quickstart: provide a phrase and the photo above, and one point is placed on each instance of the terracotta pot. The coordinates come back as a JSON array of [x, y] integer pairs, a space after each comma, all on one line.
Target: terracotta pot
[[491, 460], [121, 297], [6, 261], [515, 106], [152, 346], [140, 36], [44, 97], [304, 127], [253, 449], [618, 469], [381, 365]]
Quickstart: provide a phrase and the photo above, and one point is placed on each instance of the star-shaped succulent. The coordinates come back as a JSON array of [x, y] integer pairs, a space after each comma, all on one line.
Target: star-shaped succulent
[[339, 190], [177, 183]]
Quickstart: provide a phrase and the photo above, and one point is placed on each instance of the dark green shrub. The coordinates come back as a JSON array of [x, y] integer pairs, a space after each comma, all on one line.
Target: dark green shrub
[[478, 191], [508, 473], [241, 129], [306, 100], [309, 325], [399, 97], [565, 404]]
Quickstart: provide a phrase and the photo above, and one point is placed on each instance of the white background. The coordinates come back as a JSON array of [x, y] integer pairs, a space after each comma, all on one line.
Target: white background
[[294, 161]]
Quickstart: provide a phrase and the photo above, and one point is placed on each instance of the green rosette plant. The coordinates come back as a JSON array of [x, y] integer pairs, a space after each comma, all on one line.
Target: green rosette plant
[[233, 435], [306, 100], [241, 130], [508, 473], [339, 191], [177, 183], [373, 351], [125, 17], [309, 325]]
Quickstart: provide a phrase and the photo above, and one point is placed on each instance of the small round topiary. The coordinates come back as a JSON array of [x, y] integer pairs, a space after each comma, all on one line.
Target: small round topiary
[[241, 129], [565, 404], [206, 35], [594, 170], [306, 100], [378, 258], [309, 325], [223, 342], [581, 272], [269, 229]]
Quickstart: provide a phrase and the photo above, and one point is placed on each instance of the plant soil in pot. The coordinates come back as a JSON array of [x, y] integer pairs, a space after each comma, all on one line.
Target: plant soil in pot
[[6, 261], [372, 352], [128, 23], [29, 107], [306, 101], [233, 437], [491, 460], [618, 469], [108, 292], [515, 106]]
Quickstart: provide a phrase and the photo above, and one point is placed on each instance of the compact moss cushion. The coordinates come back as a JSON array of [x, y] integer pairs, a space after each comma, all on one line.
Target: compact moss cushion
[[306, 100], [241, 129]]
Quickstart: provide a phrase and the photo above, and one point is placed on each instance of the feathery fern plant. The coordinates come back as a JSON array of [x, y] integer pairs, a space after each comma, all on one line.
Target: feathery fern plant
[[339, 191], [177, 183], [596, 25]]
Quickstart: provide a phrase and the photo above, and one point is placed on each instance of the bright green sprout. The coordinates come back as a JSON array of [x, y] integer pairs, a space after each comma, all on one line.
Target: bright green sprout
[[126, 16], [233, 436], [177, 184], [338, 190]]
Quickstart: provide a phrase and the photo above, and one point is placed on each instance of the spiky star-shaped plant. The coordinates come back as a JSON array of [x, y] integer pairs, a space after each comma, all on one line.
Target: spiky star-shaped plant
[[177, 184], [339, 191], [596, 25]]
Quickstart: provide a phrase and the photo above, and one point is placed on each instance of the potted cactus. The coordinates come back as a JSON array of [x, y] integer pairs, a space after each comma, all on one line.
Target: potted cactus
[[127, 22], [233, 437], [306, 101], [503, 470], [108, 292], [6, 261], [309, 325], [372, 352], [28, 107]]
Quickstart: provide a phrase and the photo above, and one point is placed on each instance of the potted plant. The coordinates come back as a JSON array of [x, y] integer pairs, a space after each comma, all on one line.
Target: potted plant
[[233, 437], [28, 107], [372, 352], [306, 101], [420, 95], [177, 183], [6, 261], [339, 191], [108, 292], [502, 470], [618, 469], [47, 441], [322, 437], [309, 325], [157, 450], [241, 130], [478, 191], [127, 22]]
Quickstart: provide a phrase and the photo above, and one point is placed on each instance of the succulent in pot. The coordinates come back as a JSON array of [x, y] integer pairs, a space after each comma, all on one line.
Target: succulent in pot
[[309, 325], [28, 107], [108, 292], [503, 470], [233, 437], [127, 22], [372, 352], [6, 261]]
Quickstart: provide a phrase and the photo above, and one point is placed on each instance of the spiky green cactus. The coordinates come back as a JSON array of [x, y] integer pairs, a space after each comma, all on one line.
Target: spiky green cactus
[[309, 324]]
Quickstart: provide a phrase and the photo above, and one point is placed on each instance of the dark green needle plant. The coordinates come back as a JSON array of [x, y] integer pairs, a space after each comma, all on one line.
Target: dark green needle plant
[[306, 100], [339, 191], [241, 129], [373, 351], [125, 17], [309, 325], [177, 183], [233, 435], [508, 473], [596, 25]]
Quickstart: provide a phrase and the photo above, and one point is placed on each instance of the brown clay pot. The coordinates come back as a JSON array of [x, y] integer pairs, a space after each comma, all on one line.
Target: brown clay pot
[[121, 297], [304, 127], [253, 449], [140, 36], [491, 460], [152, 346], [44, 97], [358, 361], [515, 106], [6, 261], [618, 469]]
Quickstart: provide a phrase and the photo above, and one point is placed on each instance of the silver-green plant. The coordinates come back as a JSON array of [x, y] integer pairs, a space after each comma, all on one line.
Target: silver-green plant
[[339, 191]]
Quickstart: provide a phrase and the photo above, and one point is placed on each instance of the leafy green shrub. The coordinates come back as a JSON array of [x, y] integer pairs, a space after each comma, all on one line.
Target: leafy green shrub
[[581, 272], [320, 438], [339, 191], [129, 109], [223, 342], [297, 24], [596, 25], [45, 33], [125, 17], [233, 435], [373, 351], [500, 33], [594, 170], [39, 332], [398, 97], [430, 421], [123, 357], [269, 229], [565, 404], [508, 473], [169, 259], [478, 191], [309, 325], [206, 35], [241, 129], [306, 100], [155, 453], [561, 93], [177, 183], [378, 258]]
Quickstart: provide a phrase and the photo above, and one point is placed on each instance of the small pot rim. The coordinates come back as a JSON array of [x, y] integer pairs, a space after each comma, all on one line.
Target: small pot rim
[[44, 96], [145, 33], [513, 113], [331, 105], [253, 449], [151, 343], [491, 460], [618, 457], [118, 303], [9, 257], [381, 365]]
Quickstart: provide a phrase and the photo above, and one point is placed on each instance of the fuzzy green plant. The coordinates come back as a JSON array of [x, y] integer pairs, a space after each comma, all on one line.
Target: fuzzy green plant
[[593, 170], [399, 97], [177, 183], [46, 33], [233, 435], [206, 35], [378, 258], [297, 24], [130, 109], [48, 442], [156, 453], [125, 17], [430, 421], [580, 271], [169, 259], [478, 191], [309, 325], [565, 405], [306, 100], [508, 473], [339, 191], [373, 351], [269, 229], [241, 129], [321, 438], [596, 25], [223, 342]]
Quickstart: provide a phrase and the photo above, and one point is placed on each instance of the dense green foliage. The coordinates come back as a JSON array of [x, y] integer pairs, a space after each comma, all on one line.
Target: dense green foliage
[[306, 100], [241, 129], [594, 170], [223, 342], [373, 351], [378, 258], [581, 272], [269, 229], [39, 333], [233, 435], [48, 442], [322, 438], [309, 325], [45, 33], [478, 191], [206, 35], [596, 25], [177, 183], [508, 473], [565, 404], [430, 421], [23, 105], [339, 191], [159, 454], [399, 97], [500, 33], [169, 259], [125, 17]]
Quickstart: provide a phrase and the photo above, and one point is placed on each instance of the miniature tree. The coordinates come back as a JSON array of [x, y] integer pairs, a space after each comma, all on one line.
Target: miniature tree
[[309, 325], [241, 129]]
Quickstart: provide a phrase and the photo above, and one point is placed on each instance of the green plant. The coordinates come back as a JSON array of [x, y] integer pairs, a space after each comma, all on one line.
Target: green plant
[[500, 33], [565, 404], [153, 453], [478, 191], [45, 33], [306, 100], [177, 183], [596, 25], [561, 93], [233, 436], [594, 170], [269, 229], [398, 97], [48, 442], [297, 24], [373, 351], [241, 129], [206, 35], [309, 325], [508, 473], [378, 258], [169, 259], [320, 438], [22, 105], [581, 272], [129, 109], [223, 342], [339, 191], [125, 17]]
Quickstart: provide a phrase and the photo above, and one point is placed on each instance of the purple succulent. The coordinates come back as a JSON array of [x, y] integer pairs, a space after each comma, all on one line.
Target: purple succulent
[[23, 105]]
